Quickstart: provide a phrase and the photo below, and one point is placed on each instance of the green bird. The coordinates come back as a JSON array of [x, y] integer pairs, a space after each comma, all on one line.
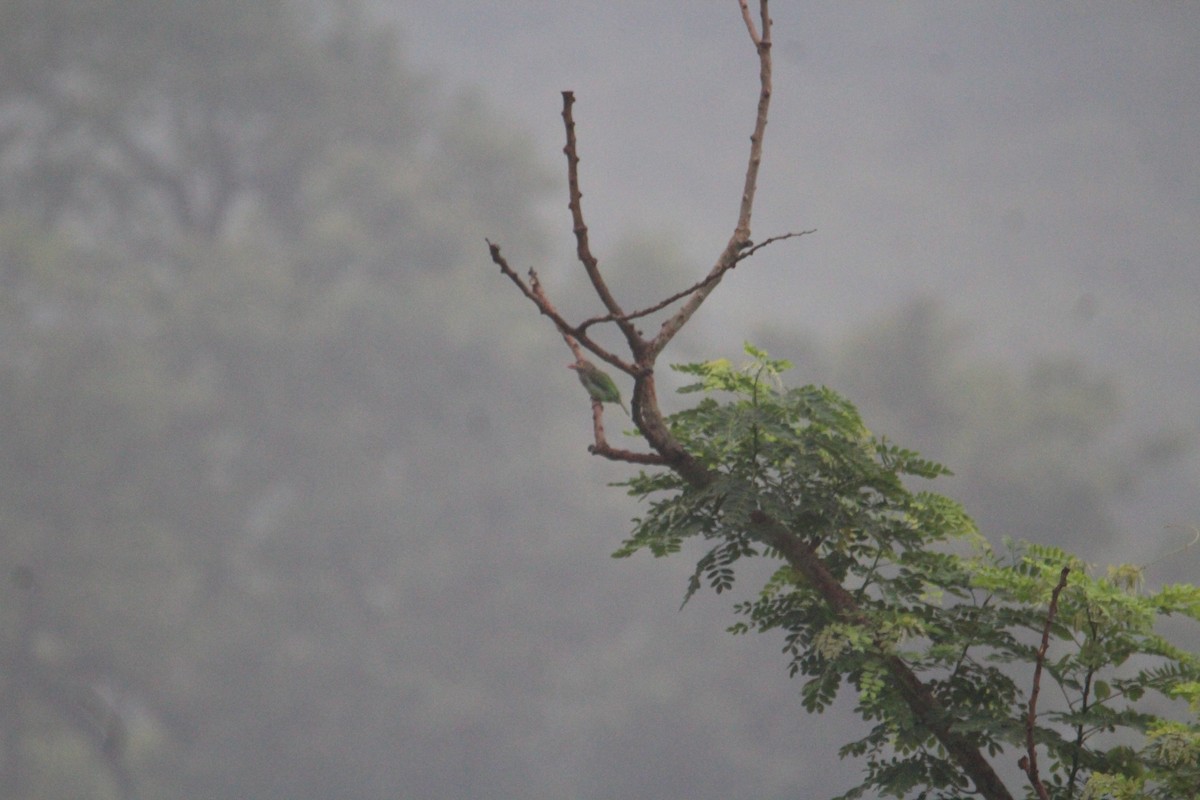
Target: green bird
[[598, 383]]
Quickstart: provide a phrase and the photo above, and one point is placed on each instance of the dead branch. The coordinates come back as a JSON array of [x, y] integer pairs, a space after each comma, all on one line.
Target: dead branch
[[749, 250], [669, 452], [582, 246], [602, 448], [644, 401], [537, 295], [741, 232]]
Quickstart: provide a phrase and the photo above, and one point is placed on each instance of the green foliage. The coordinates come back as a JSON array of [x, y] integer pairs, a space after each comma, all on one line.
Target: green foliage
[[966, 619]]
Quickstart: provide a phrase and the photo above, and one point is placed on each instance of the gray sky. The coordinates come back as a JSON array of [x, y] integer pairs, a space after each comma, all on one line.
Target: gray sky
[[1020, 159]]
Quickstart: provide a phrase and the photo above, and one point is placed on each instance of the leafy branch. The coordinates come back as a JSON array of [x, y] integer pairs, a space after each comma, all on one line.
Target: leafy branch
[[1029, 761]]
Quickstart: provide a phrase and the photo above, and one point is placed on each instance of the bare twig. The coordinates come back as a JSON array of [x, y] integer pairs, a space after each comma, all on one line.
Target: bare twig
[[1028, 762], [534, 291], [583, 248], [741, 232], [752, 248], [645, 352], [749, 250], [602, 448], [1195, 539]]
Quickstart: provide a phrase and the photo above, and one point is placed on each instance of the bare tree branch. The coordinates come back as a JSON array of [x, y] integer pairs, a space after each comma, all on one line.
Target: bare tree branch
[[537, 295], [741, 232], [645, 352], [602, 448], [748, 18], [582, 247], [749, 250]]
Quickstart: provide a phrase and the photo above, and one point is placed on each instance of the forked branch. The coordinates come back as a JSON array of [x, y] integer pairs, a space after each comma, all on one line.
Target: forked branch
[[651, 423], [644, 351]]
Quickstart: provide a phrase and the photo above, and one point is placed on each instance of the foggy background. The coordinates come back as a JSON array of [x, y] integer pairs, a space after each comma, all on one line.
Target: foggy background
[[294, 491]]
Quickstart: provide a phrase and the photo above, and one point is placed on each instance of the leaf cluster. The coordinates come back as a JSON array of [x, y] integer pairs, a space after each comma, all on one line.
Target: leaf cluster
[[931, 592]]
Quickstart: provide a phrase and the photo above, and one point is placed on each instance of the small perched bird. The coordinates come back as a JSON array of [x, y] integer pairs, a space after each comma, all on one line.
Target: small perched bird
[[598, 383]]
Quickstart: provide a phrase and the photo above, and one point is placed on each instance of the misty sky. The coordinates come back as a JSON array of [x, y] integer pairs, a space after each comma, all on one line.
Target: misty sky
[[1020, 160]]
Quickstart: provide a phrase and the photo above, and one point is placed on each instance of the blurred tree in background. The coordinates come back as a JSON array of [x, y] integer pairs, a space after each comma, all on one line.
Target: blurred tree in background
[[227, 243], [1037, 449]]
